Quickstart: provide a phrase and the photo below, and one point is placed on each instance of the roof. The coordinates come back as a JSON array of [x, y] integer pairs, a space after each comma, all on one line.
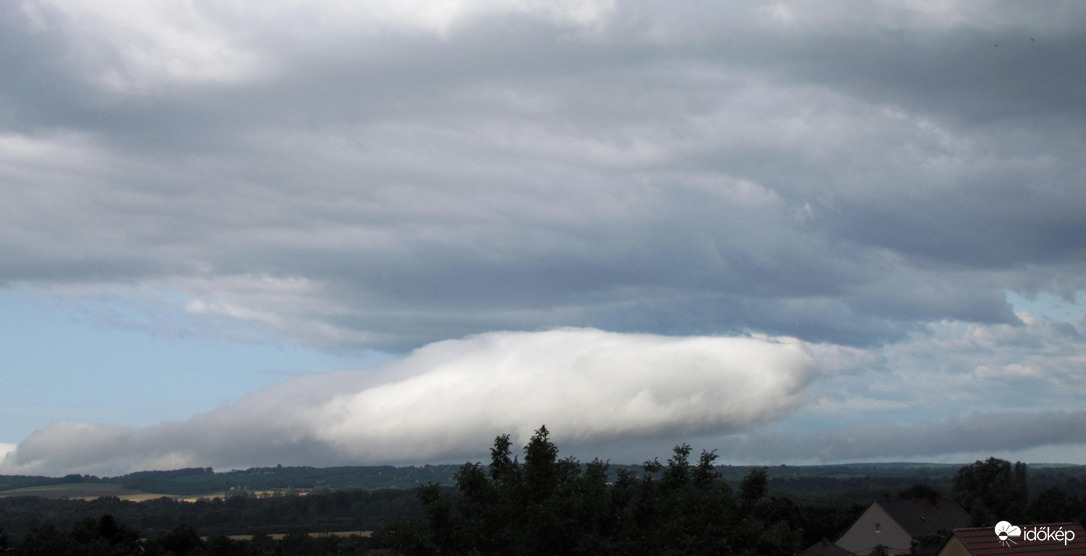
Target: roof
[[921, 517], [982, 541], [825, 548]]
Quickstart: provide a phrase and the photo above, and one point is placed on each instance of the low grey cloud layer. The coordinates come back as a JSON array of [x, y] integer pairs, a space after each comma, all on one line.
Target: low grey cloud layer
[[977, 433], [876, 181]]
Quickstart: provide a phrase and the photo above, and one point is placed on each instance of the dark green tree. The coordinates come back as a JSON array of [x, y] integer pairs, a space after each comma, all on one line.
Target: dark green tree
[[1021, 478], [179, 541], [677, 473], [992, 491], [407, 537], [106, 535], [541, 473], [1052, 505], [222, 545], [705, 474], [502, 467], [920, 491], [97, 537], [753, 487], [45, 540], [547, 505]]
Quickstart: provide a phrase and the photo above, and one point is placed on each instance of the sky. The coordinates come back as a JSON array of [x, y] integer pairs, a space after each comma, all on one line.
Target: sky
[[327, 233]]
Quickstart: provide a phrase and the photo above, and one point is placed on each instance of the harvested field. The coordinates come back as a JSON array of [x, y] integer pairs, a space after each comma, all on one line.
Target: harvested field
[[279, 536], [82, 491]]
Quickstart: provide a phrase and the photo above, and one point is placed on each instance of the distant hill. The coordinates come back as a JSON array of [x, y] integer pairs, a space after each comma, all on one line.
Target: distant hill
[[846, 482], [283, 499], [205, 481]]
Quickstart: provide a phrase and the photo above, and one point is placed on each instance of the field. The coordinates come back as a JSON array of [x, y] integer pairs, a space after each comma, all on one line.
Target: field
[[280, 536], [93, 491], [83, 491], [271, 502]]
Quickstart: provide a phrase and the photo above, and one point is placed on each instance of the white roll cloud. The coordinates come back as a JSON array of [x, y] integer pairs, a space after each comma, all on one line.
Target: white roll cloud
[[447, 401]]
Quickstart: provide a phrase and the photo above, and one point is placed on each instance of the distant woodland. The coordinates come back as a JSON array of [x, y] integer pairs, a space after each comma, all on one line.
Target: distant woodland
[[525, 501]]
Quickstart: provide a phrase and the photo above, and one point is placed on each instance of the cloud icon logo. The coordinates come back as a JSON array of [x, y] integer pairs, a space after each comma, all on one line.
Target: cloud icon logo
[[1004, 530]]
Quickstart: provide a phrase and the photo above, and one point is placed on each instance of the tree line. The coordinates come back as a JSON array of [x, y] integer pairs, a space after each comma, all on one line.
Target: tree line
[[547, 505], [524, 503], [106, 536], [550, 505], [205, 480], [239, 512]]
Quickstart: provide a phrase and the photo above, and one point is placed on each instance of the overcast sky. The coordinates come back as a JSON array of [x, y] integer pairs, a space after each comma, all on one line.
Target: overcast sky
[[325, 233]]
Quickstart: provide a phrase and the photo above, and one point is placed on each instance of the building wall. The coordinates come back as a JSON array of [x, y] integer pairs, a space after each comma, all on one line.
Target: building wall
[[863, 536], [954, 547]]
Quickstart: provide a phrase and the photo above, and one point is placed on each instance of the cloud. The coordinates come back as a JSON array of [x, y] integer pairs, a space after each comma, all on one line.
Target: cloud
[[946, 370], [142, 49], [474, 166], [355, 176], [448, 400], [975, 433]]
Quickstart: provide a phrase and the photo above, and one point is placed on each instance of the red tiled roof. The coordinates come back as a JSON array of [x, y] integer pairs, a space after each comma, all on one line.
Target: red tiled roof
[[982, 541]]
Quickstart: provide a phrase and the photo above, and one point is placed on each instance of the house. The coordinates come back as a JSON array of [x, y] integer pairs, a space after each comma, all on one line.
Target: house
[[896, 524], [825, 548], [1055, 539]]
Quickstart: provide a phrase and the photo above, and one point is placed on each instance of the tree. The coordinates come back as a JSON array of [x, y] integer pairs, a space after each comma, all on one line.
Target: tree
[[548, 505], [753, 487], [408, 537], [677, 474], [501, 466], [920, 491], [101, 537], [106, 535], [1052, 505], [179, 541], [992, 491], [1021, 478], [45, 540], [540, 471], [705, 474]]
